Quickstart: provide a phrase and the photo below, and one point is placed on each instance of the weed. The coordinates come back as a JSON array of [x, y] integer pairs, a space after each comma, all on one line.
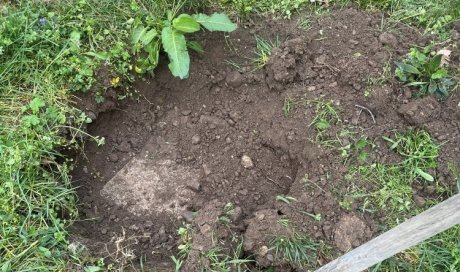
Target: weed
[[264, 51], [391, 184], [455, 172], [426, 73], [297, 249], [185, 234], [314, 216], [228, 211], [325, 116], [221, 262], [289, 105], [177, 263], [169, 34], [285, 199], [418, 150], [304, 23]]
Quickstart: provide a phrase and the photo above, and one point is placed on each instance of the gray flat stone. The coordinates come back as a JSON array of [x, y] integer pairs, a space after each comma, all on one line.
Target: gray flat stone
[[152, 182]]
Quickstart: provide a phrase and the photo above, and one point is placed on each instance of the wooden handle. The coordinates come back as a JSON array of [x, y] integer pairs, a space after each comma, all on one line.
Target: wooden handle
[[413, 231]]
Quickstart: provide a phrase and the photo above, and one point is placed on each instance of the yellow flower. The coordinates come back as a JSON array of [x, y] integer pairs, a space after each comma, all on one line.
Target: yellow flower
[[115, 81]]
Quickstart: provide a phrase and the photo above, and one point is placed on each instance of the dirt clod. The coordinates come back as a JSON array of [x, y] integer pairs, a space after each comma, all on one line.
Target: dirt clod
[[388, 39], [351, 231]]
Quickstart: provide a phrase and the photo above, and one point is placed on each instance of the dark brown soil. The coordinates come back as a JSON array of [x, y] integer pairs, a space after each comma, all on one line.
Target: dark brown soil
[[219, 115]]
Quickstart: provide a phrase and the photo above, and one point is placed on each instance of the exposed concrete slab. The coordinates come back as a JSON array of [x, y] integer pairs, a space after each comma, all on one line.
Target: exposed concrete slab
[[152, 182]]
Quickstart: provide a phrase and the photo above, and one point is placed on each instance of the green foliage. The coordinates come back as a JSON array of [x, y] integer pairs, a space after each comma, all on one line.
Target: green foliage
[[169, 34], [425, 72], [391, 183], [298, 249], [264, 51], [218, 261]]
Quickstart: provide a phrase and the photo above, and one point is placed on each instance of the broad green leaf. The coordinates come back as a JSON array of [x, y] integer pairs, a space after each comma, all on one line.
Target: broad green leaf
[[147, 37], [435, 63], [432, 87], [417, 83], [439, 74], [101, 55], [186, 23], [175, 45], [75, 40], [215, 22], [424, 175], [36, 104], [138, 32], [408, 68]]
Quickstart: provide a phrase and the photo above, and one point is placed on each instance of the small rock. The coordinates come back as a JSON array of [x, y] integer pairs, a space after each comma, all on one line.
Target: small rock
[[407, 93], [388, 39], [196, 139], [104, 231], [311, 88], [321, 59], [228, 140], [162, 231], [246, 162], [333, 84], [263, 250], [175, 123], [237, 213], [188, 216], [186, 112], [205, 229], [206, 170], [234, 79], [354, 42], [113, 157], [193, 184], [430, 189], [85, 169], [419, 201], [270, 257], [456, 26]]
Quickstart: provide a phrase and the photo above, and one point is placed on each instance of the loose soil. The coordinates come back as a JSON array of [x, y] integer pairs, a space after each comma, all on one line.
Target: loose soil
[[173, 156]]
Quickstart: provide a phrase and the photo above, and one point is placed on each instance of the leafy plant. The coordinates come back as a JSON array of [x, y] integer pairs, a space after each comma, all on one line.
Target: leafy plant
[[169, 35], [425, 72]]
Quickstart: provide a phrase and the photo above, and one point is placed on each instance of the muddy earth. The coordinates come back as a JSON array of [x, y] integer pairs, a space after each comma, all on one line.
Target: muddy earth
[[182, 150]]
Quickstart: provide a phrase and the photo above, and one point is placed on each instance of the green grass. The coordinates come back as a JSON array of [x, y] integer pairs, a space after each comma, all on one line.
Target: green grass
[[391, 184], [47, 51], [298, 250], [221, 262], [392, 196], [263, 51]]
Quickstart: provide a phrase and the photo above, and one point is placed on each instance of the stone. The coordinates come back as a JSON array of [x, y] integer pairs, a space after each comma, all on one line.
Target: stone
[[188, 216], [186, 112], [246, 162], [234, 79], [113, 157], [388, 39], [194, 184], [206, 170], [196, 139]]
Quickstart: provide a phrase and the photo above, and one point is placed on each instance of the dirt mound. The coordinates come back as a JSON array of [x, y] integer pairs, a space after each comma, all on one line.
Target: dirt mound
[[222, 136]]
